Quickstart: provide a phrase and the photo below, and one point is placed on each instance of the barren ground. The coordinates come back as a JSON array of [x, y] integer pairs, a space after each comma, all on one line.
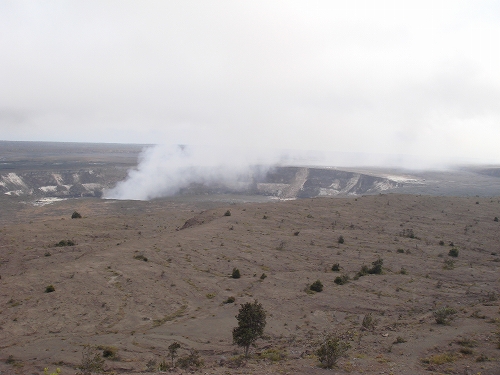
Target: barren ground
[[105, 296]]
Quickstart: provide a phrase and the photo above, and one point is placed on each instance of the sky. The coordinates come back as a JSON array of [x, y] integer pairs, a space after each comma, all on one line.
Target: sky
[[357, 81]]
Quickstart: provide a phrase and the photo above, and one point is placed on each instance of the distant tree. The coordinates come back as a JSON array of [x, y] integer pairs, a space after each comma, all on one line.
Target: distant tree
[[251, 322], [172, 350], [236, 273]]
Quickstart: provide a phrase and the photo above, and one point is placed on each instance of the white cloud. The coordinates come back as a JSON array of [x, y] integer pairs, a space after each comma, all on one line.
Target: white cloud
[[386, 77]]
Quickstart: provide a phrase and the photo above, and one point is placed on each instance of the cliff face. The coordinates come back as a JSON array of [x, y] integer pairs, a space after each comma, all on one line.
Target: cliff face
[[282, 182]]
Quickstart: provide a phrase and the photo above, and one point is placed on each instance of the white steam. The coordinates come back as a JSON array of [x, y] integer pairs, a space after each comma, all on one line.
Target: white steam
[[165, 170]]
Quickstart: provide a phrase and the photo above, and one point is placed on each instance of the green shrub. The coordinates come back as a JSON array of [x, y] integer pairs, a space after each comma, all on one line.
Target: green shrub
[[227, 213], [316, 286], [49, 289], [444, 315], [341, 280], [377, 267], [332, 348], [76, 215], [448, 264], [369, 322], [403, 271], [230, 300], [91, 361], [336, 267], [453, 252], [399, 340], [263, 276], [63, 243], [441, 243], [401, 251], [236, 273], [340, 240]]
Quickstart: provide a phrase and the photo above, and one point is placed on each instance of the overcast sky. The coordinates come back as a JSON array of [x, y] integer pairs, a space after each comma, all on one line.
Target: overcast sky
[[417, 78]]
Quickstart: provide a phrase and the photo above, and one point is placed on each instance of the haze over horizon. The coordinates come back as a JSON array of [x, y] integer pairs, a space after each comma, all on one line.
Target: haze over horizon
[[398, 82]]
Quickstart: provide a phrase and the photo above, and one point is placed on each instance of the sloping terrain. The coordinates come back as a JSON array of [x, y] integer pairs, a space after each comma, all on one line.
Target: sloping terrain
[[136, 282]]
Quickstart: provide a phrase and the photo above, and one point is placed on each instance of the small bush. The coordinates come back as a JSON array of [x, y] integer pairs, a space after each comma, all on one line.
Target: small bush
[[441, 243], [140, 257], [263, 276], [336, 267], [453, 252], [448, 264], [191, 360], [403, 271], [399, 340], [369, 322], [401, 251], [109, 352], [316, 286], [49, 289], [340, 240], [227, 213], [91, 361], [495, 219], [236, 273], [230, 300], [163, 366], [63, 243], [440, 359], [296, 233], [444, 315], [274, 355], [341, 280], [482, 358], [332, 348], [76, 215]]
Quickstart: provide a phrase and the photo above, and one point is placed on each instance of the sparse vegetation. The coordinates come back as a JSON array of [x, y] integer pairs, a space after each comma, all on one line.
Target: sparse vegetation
[[336, 267], [369, 322], [251, 323], [440, 359], [340, 240], [448, 264], [441, 243], [47, 372], [341, 280], [141, 257], [193, 359], [401, 251], [236, 273], [274, 355], [263, 276], [316, 286], [495, 219], [400, 340], [408, 233], [230, 300], [375, 270], [109, 352], [453, 252], [227, 213], [63, 243], [444, 315], [172, 351], [76, 215], [332, 348], [50, 289], [91, 361]]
